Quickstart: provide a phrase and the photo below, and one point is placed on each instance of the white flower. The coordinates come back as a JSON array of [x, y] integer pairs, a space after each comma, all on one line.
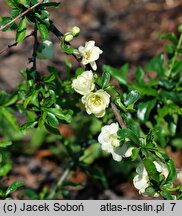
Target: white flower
[[96, 102], [90, 53], [110, 143], [109, 140], [162, 168], [141, 180], [84, 83]]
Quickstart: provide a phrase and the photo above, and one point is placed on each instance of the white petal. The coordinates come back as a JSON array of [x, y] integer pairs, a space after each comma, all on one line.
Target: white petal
[[89, 45], [93, 65]]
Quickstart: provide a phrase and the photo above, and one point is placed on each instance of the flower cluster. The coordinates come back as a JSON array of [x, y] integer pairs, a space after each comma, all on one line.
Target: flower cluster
[[141, 180], [95, 102]]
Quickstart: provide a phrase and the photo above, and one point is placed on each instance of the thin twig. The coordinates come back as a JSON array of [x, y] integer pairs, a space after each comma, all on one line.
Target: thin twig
[[20, 15], [60, 182], [117, 115], [14, 44]]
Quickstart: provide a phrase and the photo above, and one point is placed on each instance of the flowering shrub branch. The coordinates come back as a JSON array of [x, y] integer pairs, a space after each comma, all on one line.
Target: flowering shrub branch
[[47, 101]]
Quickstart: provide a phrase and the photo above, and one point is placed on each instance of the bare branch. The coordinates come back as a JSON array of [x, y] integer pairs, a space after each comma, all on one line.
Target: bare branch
[[14, 44], [117, 115]]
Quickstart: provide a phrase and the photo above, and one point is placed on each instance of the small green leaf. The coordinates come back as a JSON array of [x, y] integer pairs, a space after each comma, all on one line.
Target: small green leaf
[[5, 143], [144, 109], [172, 171], [166, 195], [127, 133], [4, 170], [21, 31], [105, 78], [171, 37], [49, 78], [28, 125], [11, 3], [131, 124], [52, 120], [10, 118], [132, 97], [49, 4], [14, 186], [52, 129], [139, 75], [119, 75], [151, 169], [156, 65], [44, 33], [135, 153]]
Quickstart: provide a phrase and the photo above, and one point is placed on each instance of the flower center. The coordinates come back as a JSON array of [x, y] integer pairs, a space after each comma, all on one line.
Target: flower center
[[96, 100], [88, 55], [115, 142]]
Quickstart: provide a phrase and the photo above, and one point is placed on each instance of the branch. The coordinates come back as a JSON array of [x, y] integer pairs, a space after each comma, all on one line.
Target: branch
[[15, 44], [59, 34], [117, 115], [22, 14], [34, 55]]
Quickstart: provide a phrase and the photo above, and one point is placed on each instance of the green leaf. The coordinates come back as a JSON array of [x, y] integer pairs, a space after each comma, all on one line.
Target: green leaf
[[144, 109], [105, 78], [139, 75], [156, 65], [11, 3], [44, 33], [59, 113], [28, 125], [14, 187], [127, 133], [135, 154], [145, 89], [52, 129], [132, 97], [4, 170], [10, 118], [49, 78], [4, 21], [166, 195], [67, 48], [150, 137], [31, 194], [5, 143], [21, 31], [172, 171], [11, 100], [151, 169], [15, 12], [52, 120], [171, 37], [119, 75], [131, 124], [49, 4]]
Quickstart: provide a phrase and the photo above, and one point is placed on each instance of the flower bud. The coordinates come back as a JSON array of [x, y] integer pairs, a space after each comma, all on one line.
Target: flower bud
[[68, 37], [75, 31]]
